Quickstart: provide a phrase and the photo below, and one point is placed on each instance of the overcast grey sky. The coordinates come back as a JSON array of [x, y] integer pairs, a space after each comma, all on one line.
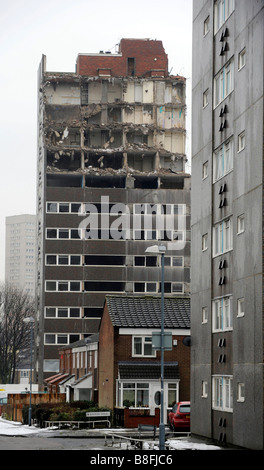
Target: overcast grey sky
[[61, 29]]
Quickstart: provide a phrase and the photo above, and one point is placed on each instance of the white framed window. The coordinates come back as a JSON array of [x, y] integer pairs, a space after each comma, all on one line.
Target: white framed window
[[133, 394], [60, 338], [222, 10], [142, 346], [63, 207], [224, 83], [146, 287], [240, 392], [206, 98], [223, 160], [240, 223], [205, 170], [68, 260], [242, 59], [222, 393], [206, 26], [205, 242], [241, 141], [63, 286], [177, 287], [204, 389], [222, 314], [62, 312], [241, 307], [204, 315], [223, 237]]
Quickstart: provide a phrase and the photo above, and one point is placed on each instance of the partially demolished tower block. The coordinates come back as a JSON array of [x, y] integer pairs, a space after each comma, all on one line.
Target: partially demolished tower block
[[111, 133]]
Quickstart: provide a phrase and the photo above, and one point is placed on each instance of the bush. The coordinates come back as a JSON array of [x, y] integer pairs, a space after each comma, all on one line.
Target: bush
[[73, 411]]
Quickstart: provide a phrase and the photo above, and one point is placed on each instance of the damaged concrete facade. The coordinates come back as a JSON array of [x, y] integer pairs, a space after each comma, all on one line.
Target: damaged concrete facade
[[112, 132]]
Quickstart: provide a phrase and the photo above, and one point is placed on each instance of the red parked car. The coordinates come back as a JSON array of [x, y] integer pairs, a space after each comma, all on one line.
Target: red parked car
[[179, 416]]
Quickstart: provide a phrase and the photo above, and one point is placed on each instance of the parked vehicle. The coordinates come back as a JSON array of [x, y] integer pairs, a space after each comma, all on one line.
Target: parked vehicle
[[179, 416]]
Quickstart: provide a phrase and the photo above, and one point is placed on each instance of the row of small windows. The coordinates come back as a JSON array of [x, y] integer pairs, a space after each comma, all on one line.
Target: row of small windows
[[114, 234], [222, 313], [114, 208], [112, 286], [97, 260]]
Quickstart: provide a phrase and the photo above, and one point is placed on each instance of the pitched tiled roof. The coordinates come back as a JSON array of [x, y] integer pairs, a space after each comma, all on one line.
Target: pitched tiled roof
[[147, 370], [145, 311]]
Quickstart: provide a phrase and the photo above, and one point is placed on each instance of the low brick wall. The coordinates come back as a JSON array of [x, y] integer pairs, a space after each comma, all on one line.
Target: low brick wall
[[132, 418]]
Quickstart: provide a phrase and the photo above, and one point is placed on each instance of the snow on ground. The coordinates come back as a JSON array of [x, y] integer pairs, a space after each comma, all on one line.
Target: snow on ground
[[12, 428]]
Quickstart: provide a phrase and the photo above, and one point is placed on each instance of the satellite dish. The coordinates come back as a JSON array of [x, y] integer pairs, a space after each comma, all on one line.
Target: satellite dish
[[187, 341]]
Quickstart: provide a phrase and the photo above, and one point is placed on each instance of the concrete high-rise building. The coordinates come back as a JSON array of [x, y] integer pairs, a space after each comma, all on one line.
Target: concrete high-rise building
[[111, 170], [20, 252], [227, 222]]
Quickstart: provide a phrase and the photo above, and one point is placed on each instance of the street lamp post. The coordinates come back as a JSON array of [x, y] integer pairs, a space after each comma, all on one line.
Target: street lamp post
[[160, 249], [31, 321]]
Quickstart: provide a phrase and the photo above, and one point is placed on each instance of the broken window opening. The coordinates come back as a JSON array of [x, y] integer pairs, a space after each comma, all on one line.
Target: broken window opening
[[92, 312], [144, 163], [94, 181], [70, 161], [131, 66], [64, 181], [106, 286], [173, 182], [114, 115], [137, 138], [114, 161], [145, 182], [101, 260]]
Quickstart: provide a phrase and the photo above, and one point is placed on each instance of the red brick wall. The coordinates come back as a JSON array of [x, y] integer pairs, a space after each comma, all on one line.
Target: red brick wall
[[148, 54], [179, 353]]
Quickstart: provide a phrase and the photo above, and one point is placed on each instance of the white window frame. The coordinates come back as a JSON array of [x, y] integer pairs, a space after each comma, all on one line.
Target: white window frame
[[204, 315], [62, 264], [224, 83], [240, 392], [58, 284], [57, 311], [204, 389], [241, 143], [223, 237], [240, 224], [144, 342], [223, 160], [222, 10], [222, 393], [58, 336], [177, 287], [205, 242], [58, 206], [222, 314], [205, 170], [206, 26], [242, 59], [146, 290], [205, 98], [241, 307]]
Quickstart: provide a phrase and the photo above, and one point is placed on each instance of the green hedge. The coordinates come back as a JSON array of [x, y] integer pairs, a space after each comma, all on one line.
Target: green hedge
[[73, 411]]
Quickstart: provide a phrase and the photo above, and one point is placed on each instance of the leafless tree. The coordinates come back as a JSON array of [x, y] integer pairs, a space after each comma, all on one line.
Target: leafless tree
[[15, 306]]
